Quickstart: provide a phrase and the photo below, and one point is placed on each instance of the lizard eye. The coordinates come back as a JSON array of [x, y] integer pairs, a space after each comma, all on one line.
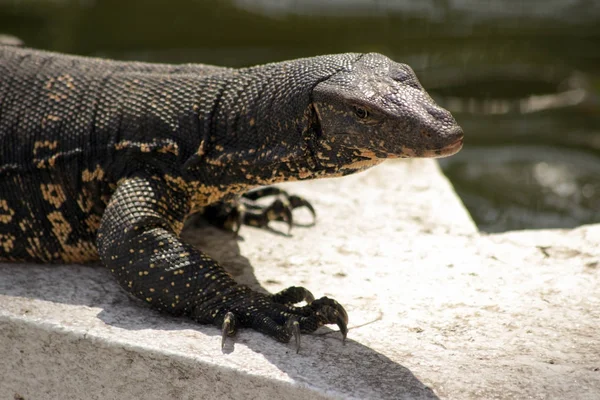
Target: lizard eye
[[361, 112]]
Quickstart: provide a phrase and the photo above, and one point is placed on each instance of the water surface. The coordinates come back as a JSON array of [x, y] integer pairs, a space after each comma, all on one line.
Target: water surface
[[522, 77]]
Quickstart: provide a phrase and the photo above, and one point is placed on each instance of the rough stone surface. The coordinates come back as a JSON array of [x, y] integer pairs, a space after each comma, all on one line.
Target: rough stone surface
[[436, 310]]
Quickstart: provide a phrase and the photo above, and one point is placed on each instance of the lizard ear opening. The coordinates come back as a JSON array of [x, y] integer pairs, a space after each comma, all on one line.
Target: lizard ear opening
[[314, 122], [196, 157]]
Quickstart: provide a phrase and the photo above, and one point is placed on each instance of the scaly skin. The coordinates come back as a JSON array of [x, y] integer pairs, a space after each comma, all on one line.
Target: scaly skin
[[105, 159]]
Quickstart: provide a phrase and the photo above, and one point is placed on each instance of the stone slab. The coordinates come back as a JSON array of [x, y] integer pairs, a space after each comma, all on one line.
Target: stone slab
[[436, 309]]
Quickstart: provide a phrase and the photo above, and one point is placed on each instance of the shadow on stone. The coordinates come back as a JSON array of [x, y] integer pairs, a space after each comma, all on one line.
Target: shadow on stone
[[346, 367]]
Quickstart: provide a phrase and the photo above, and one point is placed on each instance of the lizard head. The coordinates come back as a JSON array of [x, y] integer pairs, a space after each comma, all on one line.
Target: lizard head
[[376, 110]]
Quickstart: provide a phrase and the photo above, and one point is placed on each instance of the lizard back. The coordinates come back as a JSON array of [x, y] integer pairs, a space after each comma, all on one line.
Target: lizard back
[[64, 122]]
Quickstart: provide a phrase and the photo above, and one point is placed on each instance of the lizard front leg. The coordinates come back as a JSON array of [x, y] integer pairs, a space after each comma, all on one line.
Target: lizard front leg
[[138, 240]]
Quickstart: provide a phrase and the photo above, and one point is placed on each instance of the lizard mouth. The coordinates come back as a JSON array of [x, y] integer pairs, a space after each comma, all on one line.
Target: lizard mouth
[[449, 149], [446, 151]]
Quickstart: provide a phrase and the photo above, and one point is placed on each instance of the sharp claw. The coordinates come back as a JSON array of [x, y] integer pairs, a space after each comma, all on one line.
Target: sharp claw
[[312, 211], [293, 327], [336, 312], [229, 327], [308, 296], [288, 218], [238, 226], [239, 220], [341, 320], [342, 312], [297, 202], [342, 323], [224, 330]]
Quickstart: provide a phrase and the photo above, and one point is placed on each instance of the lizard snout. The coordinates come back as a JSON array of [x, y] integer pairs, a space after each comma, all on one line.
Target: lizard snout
[[441, 131]]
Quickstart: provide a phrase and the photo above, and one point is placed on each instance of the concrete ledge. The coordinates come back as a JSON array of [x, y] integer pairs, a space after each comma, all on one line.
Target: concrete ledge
[[436, 310]]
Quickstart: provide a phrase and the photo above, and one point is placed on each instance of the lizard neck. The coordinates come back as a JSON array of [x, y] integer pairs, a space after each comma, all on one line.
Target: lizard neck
[[262, 126]]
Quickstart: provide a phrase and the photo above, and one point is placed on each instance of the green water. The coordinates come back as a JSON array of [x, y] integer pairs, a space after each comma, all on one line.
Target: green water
[[521, 77]]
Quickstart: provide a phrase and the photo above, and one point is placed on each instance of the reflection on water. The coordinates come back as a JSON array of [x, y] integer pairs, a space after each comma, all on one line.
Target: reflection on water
[[527, 186], [521, 77]]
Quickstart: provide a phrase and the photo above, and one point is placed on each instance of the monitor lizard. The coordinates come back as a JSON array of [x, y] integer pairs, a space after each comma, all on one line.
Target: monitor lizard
[[104, 159]]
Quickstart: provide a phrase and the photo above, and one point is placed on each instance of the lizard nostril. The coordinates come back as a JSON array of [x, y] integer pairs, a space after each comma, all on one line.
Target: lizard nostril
[[439, 113], [444, 121], [457, 133]]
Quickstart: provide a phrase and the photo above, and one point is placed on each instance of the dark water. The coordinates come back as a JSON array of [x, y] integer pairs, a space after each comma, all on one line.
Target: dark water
[[522, 77]]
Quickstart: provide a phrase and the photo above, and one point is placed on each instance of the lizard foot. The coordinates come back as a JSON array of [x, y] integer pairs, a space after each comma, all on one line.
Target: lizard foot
[[280, 209], [274, 315], [248, 211]]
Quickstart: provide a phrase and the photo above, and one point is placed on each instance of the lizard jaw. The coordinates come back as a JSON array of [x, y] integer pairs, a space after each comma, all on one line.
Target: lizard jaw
[[446, 151]]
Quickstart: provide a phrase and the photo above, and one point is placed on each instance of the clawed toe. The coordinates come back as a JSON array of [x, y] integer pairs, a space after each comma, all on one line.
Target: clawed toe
[[332, 313], [297, 202], [293, 295], [260, 216], [342, 323], [279, 210], [245, 210], [293, 327], [275, 315], [229, 327]]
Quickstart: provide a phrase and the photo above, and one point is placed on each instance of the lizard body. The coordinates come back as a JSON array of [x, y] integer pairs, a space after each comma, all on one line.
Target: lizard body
[[106, 159]]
